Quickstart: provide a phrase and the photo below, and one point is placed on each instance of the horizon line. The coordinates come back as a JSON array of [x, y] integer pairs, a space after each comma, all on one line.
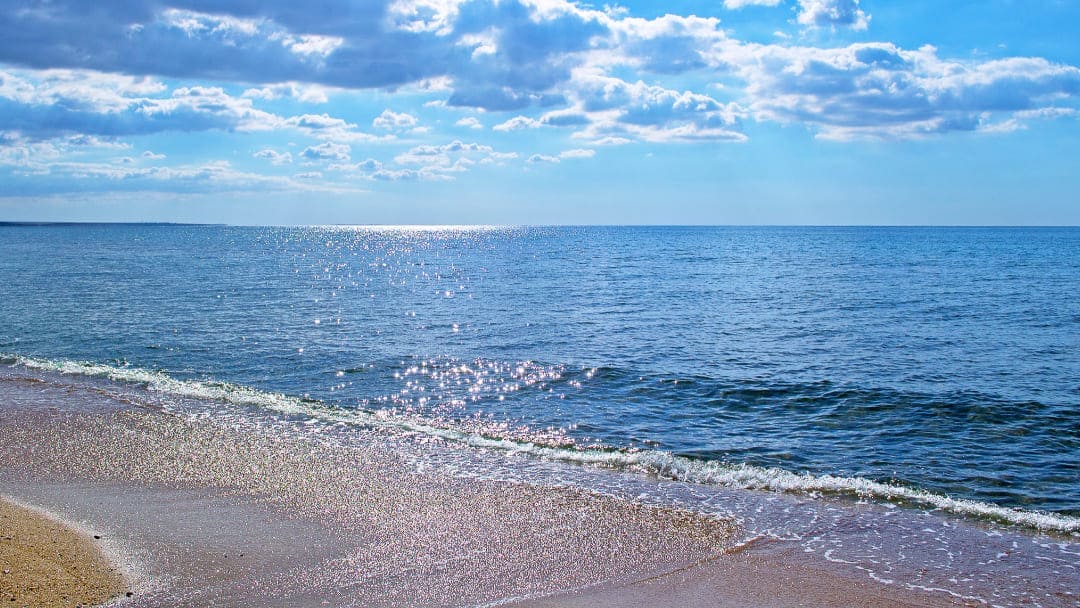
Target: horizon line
[[433, 226]]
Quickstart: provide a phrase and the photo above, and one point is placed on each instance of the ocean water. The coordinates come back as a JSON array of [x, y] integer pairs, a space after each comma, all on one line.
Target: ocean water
[[934, 368]]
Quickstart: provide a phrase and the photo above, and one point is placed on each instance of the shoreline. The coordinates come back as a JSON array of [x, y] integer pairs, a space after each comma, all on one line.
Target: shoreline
[[659, 463], [222, 544], [255, 511], [48, 562], [770, 574], [210, 513]]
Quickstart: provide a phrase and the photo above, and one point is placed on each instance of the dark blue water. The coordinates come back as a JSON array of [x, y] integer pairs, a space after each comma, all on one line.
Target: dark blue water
[[935, 358]]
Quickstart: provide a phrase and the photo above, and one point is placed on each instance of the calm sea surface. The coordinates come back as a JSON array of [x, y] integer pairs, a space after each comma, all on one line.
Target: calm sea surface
[[936, 359]]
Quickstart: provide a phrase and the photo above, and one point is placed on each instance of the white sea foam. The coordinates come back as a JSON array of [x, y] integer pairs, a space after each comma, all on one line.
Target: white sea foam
[[654, 462]]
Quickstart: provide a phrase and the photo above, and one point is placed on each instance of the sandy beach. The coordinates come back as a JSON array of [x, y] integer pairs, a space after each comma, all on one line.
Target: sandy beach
[[46, 563], [209, 513]]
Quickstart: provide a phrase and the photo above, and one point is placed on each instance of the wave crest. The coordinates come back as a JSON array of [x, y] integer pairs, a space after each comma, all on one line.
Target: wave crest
[[654, 462]]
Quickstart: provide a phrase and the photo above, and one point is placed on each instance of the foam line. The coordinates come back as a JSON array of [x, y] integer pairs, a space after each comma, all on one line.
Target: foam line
[[654, 462]]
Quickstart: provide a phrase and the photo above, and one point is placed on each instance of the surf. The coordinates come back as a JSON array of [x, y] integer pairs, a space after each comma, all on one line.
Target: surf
[[657, 463]]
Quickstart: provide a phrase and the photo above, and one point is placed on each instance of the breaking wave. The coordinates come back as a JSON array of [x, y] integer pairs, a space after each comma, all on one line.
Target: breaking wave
[[654, 462]]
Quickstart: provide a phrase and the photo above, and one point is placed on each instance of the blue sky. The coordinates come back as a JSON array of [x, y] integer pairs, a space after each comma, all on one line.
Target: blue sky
[[541, 111]]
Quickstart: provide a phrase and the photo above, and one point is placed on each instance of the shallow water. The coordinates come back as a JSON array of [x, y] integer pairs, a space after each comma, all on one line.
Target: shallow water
[[257, 509], [358, 474], [923, 360]]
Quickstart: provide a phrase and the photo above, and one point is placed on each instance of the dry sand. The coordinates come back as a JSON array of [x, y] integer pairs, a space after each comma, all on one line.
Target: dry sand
[[45, 563]]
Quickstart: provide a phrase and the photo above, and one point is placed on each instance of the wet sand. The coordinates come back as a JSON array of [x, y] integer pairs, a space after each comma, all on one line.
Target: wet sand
[[769, 575], [240, 514], [46, 563]]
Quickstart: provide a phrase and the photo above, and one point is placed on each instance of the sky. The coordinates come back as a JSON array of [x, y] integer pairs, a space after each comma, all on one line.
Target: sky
[[541, 112]]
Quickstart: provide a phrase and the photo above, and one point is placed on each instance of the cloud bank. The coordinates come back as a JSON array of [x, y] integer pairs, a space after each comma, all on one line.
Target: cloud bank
[[106, 73]]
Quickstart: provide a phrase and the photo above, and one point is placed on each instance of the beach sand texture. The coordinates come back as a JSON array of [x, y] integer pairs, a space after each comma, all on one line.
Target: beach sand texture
[[213, 513], [45, 563], [208, 513]]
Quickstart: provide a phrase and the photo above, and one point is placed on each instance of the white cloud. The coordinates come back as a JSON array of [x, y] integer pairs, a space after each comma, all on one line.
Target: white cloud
[[470, 122], [441, 161], [34, 155], [54, 103], [148, 155], [620, 111], [879, 90], [212, 176], [604, 76], [542, 159], [517, 123], [366, 166], [611, 140], [431, 155], [312, 123], [324, 126], [831, 13], [238, 31], [91, 141], [308, 44], [577, 153], [393, 121], [512, 55], [289, 90], [327, 151], [194, 23], [434, 16], [275, 157], [395, 175]]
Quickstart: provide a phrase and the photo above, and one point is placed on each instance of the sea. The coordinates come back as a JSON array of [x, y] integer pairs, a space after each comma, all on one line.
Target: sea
[[929, 372]]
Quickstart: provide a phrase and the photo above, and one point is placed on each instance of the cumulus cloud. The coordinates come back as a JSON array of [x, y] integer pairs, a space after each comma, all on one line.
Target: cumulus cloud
[[620, 111], [324, 126], [880, 90], [327, 151], [366, 166], [392, 121], [35, 155], [367, 45], [60, 102], [441, 161], [273, 42], [397, 175], [831, 13], [469, 122], [148, 155], [275, 157], [519, 56], [289, 90], [517, 123], [77, 78], [316, 123]]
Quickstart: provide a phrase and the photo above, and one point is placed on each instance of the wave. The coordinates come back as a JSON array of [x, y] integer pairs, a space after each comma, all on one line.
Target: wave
[[654, 462]]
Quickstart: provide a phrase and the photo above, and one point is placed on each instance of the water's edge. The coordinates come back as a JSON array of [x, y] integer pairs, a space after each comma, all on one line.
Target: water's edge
[[658, 463]]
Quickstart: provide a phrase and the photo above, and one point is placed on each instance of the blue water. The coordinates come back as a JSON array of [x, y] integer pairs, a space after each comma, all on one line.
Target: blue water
[[939, 359]]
